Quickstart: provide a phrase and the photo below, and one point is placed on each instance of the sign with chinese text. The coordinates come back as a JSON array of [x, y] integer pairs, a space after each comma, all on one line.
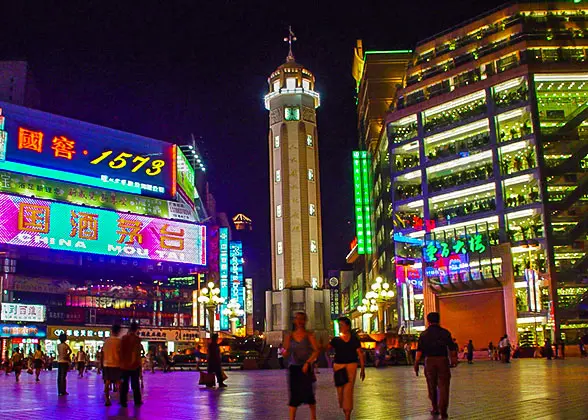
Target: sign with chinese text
[[77, 333], [185, 281], [22, 312], [60, 148], [185, 178], [249, 296], [411, 274], [223, 252], [361, 189], [9, 330], [236, 272], [58, 226], [88, 196], [469, 244], [66, 315]]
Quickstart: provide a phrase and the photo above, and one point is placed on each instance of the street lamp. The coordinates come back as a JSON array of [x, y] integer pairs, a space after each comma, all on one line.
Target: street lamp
[[380, 296], [233, 311], [209, 296]]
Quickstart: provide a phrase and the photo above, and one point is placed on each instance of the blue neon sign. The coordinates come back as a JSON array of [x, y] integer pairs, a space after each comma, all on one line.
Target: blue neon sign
[[223, 246]]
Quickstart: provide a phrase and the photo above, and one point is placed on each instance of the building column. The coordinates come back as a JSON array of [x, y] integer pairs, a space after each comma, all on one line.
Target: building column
[[286, 299], [430, 298], [309, 309], [269, 325], [327, 309]]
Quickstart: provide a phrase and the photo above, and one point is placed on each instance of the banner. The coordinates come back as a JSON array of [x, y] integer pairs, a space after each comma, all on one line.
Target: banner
[[9, 330], [66, 315], [22, 312], [49, 225], [185, 178], [80, 194]]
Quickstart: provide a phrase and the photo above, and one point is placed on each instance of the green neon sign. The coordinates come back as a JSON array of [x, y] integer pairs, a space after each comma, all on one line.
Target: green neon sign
[[361, 187], [471, 244]]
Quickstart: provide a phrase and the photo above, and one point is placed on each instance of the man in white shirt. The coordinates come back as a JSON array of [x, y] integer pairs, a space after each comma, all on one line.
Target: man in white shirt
[[111, 362], [63, 361]]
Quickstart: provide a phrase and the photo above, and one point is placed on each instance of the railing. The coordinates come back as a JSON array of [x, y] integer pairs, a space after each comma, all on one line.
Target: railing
[[465, 209], [476, 174]]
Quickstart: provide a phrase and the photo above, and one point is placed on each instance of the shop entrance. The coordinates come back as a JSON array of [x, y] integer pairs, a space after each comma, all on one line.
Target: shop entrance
[[474, 315]]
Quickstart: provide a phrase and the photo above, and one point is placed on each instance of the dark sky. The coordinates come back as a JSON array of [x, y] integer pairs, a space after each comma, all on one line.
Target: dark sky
[[165, 69]]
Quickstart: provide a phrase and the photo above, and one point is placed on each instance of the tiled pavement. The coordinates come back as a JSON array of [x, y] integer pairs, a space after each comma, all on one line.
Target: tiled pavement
[[525, 389]]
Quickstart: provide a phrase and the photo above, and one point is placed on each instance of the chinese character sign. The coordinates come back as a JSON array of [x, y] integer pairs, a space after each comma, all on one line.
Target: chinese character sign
[[472, 244], [58, 148], [223, 245], [59, 226], [185, 178], [23, 312], [236, 271]]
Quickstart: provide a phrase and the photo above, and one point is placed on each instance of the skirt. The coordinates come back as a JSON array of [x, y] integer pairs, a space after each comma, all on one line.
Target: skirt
[[38, 364], [112, 374], [301, 387], [345, 392]]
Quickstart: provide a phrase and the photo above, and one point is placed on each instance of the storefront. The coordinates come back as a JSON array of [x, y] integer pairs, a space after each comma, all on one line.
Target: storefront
[[90, 338], [175, 340], [24, 337]]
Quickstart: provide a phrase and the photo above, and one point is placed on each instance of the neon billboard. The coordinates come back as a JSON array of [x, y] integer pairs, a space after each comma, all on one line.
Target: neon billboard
[[185, 178], [223, 245], [50, 146], [236, 272], [361, 189], [58, 226]]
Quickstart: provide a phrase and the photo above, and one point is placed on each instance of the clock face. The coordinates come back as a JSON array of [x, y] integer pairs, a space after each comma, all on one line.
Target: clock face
[[334, 281]]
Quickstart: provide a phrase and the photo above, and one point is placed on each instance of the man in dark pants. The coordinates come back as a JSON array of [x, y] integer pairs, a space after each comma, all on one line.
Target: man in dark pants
[[434, 344], [63, 362], [130, 365]]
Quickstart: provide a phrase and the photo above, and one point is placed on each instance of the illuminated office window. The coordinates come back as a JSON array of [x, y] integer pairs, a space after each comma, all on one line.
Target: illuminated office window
[[280, 284], [314, 283], [279, 210], [309, 141], [280, 248], [313, 247], [291, 83], [312, 209], [276, 142], [311, 175], [278, 175], [292, 113]]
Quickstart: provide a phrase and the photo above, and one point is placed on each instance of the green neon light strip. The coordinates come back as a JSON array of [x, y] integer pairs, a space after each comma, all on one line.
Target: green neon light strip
[[365, 182], [389, 52], [359, 216], [66, 176]]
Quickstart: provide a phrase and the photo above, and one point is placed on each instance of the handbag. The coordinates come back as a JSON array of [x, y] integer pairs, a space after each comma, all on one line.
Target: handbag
[[207, 379], [341, 377]]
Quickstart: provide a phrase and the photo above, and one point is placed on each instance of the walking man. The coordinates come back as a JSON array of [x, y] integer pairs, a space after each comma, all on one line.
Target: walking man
[[111, 362], [434, 345], [130, 364], [81, 360], [63, 362], [470, 352], [281, 351]]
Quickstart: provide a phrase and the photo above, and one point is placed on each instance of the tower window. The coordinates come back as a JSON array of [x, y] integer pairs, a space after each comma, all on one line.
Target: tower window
[[313, 246], [278, 176], [279, 210], [311, 175], [280, 284], [291, 83], [292, 113], [276, 142], [314, 283], [309, 140], [312, 209], [277, 86], [280, 248], [306, 84]]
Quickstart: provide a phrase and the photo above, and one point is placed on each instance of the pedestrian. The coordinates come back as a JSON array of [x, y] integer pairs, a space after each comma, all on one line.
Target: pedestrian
[[99, 360], [214, 362], [111, 362], [563, 349], [490, 350], [81, 362], [163, 358], [302, 351], [470, 349], [6, 362], [63, 362], [17, 363], [130, 364], [548, 350], [198, 356], [38, 362], [281, 356], [435, 345], [151, 358], [504, 349], [348, 353], [408, 352]]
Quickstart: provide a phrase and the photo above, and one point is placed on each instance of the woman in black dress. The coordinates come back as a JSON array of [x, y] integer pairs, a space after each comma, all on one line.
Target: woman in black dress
[[348, 353], [214, 360]]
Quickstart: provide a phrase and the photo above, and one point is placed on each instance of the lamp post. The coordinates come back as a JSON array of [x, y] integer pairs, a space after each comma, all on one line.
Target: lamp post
[[382, 294], [233, 311], [368, 307], [209, 296]]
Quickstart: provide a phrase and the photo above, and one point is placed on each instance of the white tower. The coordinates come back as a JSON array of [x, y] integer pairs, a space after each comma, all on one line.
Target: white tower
[[297, 265]]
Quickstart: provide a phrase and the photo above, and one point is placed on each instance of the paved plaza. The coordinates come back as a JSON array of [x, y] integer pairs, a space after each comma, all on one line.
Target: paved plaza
[[525, 389]]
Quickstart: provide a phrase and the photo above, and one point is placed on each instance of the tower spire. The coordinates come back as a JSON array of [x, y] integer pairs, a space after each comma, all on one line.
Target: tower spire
[[290, 39]]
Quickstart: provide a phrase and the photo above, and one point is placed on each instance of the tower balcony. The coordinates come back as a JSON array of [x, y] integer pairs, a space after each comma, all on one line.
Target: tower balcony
[[292, 91]]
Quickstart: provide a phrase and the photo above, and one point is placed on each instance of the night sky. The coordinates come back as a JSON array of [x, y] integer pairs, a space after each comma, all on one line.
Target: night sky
[[166, 69]]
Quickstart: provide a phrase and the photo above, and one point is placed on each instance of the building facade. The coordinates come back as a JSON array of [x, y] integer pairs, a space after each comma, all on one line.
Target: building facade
[[488, 153], [297, 267]]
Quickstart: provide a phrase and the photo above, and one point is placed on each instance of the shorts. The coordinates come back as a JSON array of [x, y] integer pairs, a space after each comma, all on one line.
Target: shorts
[[112, 374], [38, 364], [81, 365]]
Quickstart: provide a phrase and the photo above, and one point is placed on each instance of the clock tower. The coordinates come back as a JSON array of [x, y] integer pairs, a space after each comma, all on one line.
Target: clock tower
[[297, 264]]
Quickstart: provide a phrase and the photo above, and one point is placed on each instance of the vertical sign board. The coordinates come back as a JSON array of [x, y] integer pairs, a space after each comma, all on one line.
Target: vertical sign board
[[236, 271], [361, 187], [249, 296], [223, 252], [185, 178]]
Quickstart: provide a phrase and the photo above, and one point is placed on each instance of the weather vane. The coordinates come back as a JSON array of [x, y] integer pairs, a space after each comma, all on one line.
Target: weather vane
[[289, 39]]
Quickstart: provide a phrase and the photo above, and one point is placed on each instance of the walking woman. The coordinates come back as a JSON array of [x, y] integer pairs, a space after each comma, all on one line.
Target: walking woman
[[17, 362], [63, 362], [348, 353], [302, 350], [214, 361], [38, 362]]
